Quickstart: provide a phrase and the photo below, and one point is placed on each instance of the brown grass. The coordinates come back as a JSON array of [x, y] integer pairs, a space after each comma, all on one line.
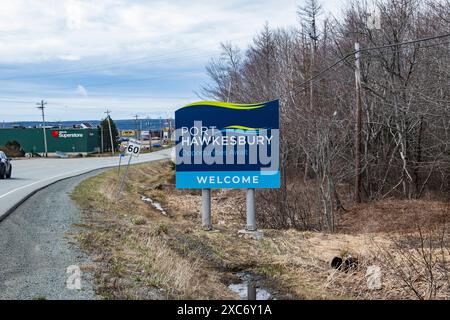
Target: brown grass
[[393, 216], [145, 255], [131, 241]]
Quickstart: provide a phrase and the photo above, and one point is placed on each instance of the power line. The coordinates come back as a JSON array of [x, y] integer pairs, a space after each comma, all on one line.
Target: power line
[[366, 50], [17, 101], [106, 67], [127, 61], [154, 77], [161, 76]]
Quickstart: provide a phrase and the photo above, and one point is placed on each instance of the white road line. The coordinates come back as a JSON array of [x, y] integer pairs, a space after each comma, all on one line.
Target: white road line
[[101, 165], [36, 182]]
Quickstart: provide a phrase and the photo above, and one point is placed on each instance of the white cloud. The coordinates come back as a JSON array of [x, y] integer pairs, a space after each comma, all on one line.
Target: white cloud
[[48, 29], [81, 91], [70, 58], [175, 37]]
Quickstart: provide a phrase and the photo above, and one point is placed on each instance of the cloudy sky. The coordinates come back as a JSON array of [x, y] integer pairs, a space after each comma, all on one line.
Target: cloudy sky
[[141, 57]]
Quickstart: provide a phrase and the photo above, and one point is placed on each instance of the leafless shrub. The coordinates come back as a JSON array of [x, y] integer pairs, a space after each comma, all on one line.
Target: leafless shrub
[[420, 263]]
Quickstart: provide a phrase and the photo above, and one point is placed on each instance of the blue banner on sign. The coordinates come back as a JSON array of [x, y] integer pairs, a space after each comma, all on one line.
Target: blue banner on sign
[[227, 180], [229, 145]]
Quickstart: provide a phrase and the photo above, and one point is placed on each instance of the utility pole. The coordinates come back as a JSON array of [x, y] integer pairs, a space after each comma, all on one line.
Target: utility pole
[[42, 105], [149, 128], [161, 132], [101, 134], [358, 128], [314, 38], [170, 131], [372, 23], [136, 127], [110, 130]]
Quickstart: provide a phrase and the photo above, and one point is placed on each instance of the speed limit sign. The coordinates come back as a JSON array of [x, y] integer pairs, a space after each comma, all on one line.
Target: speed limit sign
[[133, 149]]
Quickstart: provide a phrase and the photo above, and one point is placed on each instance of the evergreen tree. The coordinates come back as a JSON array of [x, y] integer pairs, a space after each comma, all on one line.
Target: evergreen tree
[[106, 136]]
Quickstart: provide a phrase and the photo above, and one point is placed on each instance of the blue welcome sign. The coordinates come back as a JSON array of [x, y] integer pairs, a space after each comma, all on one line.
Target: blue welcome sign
[[225, 145]]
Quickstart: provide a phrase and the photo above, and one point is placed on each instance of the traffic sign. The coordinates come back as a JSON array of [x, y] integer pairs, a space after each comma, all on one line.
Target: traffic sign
[[134, 148]]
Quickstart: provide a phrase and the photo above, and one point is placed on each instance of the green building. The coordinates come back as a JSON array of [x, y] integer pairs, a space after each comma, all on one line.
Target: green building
[[58, 140]]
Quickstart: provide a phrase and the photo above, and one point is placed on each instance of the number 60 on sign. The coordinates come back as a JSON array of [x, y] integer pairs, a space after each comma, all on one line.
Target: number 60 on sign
[[133, 149]]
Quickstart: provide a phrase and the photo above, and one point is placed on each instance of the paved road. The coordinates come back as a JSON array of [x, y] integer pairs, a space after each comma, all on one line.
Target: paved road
[[35, 251], [34, 174]]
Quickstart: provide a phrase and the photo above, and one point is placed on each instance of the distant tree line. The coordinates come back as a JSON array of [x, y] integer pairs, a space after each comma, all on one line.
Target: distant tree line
[[405, 104]]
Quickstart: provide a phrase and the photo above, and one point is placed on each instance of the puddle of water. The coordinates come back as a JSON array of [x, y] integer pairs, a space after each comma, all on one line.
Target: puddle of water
[[154, 204], [247, 290]]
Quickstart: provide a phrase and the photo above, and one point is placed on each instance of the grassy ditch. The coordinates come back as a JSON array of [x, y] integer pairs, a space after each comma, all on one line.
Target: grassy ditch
[[141, 253]]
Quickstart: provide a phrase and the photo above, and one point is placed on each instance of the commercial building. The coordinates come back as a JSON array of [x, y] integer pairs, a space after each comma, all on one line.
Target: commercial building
[[76, 141]]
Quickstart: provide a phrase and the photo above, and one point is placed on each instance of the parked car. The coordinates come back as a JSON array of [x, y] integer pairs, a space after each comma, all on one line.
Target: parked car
[[5, 166]]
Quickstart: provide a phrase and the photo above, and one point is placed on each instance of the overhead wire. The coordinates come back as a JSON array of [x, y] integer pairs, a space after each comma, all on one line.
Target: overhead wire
[[327, 69]]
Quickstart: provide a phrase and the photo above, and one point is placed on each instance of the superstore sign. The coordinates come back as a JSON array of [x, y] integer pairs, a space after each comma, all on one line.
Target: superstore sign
[[65, 134], [223, 145]]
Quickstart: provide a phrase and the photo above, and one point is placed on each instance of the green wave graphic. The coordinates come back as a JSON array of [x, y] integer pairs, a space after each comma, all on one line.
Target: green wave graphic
[[226, 105], [243, 128]]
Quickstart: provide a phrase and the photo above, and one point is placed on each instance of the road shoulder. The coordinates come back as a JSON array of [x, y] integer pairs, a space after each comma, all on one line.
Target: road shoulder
[[38, 259]]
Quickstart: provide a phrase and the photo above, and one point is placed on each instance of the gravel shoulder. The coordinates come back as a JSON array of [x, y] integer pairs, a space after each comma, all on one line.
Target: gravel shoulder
[[36, 247]]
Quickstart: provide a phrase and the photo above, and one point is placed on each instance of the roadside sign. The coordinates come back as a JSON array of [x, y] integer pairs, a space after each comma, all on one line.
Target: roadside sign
[[128, 133], [224, 145], [134, 148]]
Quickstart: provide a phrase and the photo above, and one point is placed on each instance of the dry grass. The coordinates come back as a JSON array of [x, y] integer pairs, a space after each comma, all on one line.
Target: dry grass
[[393, 216], [130, 241], [146, 255]]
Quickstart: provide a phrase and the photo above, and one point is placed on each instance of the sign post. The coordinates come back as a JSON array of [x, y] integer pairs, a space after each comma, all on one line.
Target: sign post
[[206, 210], [133, 150], [121, 155], [120, 162], [251, 217], [225, 145]]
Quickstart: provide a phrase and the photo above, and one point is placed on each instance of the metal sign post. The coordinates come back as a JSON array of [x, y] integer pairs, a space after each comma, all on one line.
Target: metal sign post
[[133, 150], [120, 162], [206, 210], [121, 155], [251, 217], [122, 182]]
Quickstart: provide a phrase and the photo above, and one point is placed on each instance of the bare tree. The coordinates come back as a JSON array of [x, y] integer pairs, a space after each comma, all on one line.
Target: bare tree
[[405, 97]]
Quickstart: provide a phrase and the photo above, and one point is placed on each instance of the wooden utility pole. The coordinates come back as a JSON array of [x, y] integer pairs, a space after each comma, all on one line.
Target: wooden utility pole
[[42, 105], [101, 134], [149, 128], [108, 112], [136, 127], [358, 126], [314, 38]]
